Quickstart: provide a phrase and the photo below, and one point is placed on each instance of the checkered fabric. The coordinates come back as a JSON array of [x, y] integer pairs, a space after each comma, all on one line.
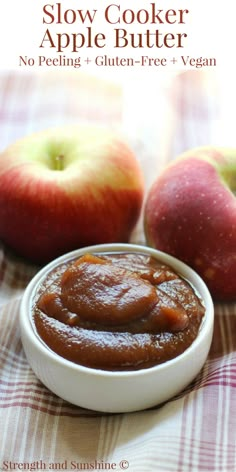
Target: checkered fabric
[[196, 430]]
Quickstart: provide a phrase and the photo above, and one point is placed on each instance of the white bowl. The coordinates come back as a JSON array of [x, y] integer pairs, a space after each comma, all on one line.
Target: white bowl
[[108, 391]]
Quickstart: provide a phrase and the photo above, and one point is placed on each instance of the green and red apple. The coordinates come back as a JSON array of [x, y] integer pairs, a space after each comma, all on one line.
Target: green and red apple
[[65, 188], [190, 213]]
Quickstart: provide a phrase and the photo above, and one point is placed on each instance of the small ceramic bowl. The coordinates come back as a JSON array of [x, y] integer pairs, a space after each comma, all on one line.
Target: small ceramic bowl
[[123, 391]]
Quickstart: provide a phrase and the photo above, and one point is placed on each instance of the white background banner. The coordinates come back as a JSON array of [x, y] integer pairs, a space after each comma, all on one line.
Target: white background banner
[[126, 34]]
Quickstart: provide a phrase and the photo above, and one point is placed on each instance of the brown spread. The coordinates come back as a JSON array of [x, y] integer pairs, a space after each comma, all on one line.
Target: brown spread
[[114, 311]]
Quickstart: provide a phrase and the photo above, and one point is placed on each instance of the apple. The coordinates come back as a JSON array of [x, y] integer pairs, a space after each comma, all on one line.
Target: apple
[[65, 188], [190, 212]]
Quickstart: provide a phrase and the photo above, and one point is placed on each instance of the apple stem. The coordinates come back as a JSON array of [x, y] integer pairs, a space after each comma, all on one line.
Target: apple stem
[[59, 162]]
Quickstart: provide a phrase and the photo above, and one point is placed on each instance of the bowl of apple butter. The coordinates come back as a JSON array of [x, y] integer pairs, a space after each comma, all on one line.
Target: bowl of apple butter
[[116, 327]]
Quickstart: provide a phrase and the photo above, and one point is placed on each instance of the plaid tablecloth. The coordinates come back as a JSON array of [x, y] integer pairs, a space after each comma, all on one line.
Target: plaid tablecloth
[[193, 432]]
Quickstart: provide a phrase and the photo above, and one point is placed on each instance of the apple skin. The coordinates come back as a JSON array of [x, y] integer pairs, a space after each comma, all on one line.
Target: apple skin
[[66, 188], [190, 212]]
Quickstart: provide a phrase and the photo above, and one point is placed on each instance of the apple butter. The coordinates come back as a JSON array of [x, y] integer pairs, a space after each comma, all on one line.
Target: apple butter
[[117, 311]]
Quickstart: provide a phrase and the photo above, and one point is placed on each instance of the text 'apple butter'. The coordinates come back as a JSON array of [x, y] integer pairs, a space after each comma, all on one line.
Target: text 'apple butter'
[[122, 311]]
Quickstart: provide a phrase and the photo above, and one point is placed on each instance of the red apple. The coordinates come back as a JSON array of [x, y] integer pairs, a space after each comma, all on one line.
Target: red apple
[[190, 213], [66, 188]]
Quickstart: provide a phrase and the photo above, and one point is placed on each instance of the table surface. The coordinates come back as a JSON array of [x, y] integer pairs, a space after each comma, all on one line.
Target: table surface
[[195, 431]]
